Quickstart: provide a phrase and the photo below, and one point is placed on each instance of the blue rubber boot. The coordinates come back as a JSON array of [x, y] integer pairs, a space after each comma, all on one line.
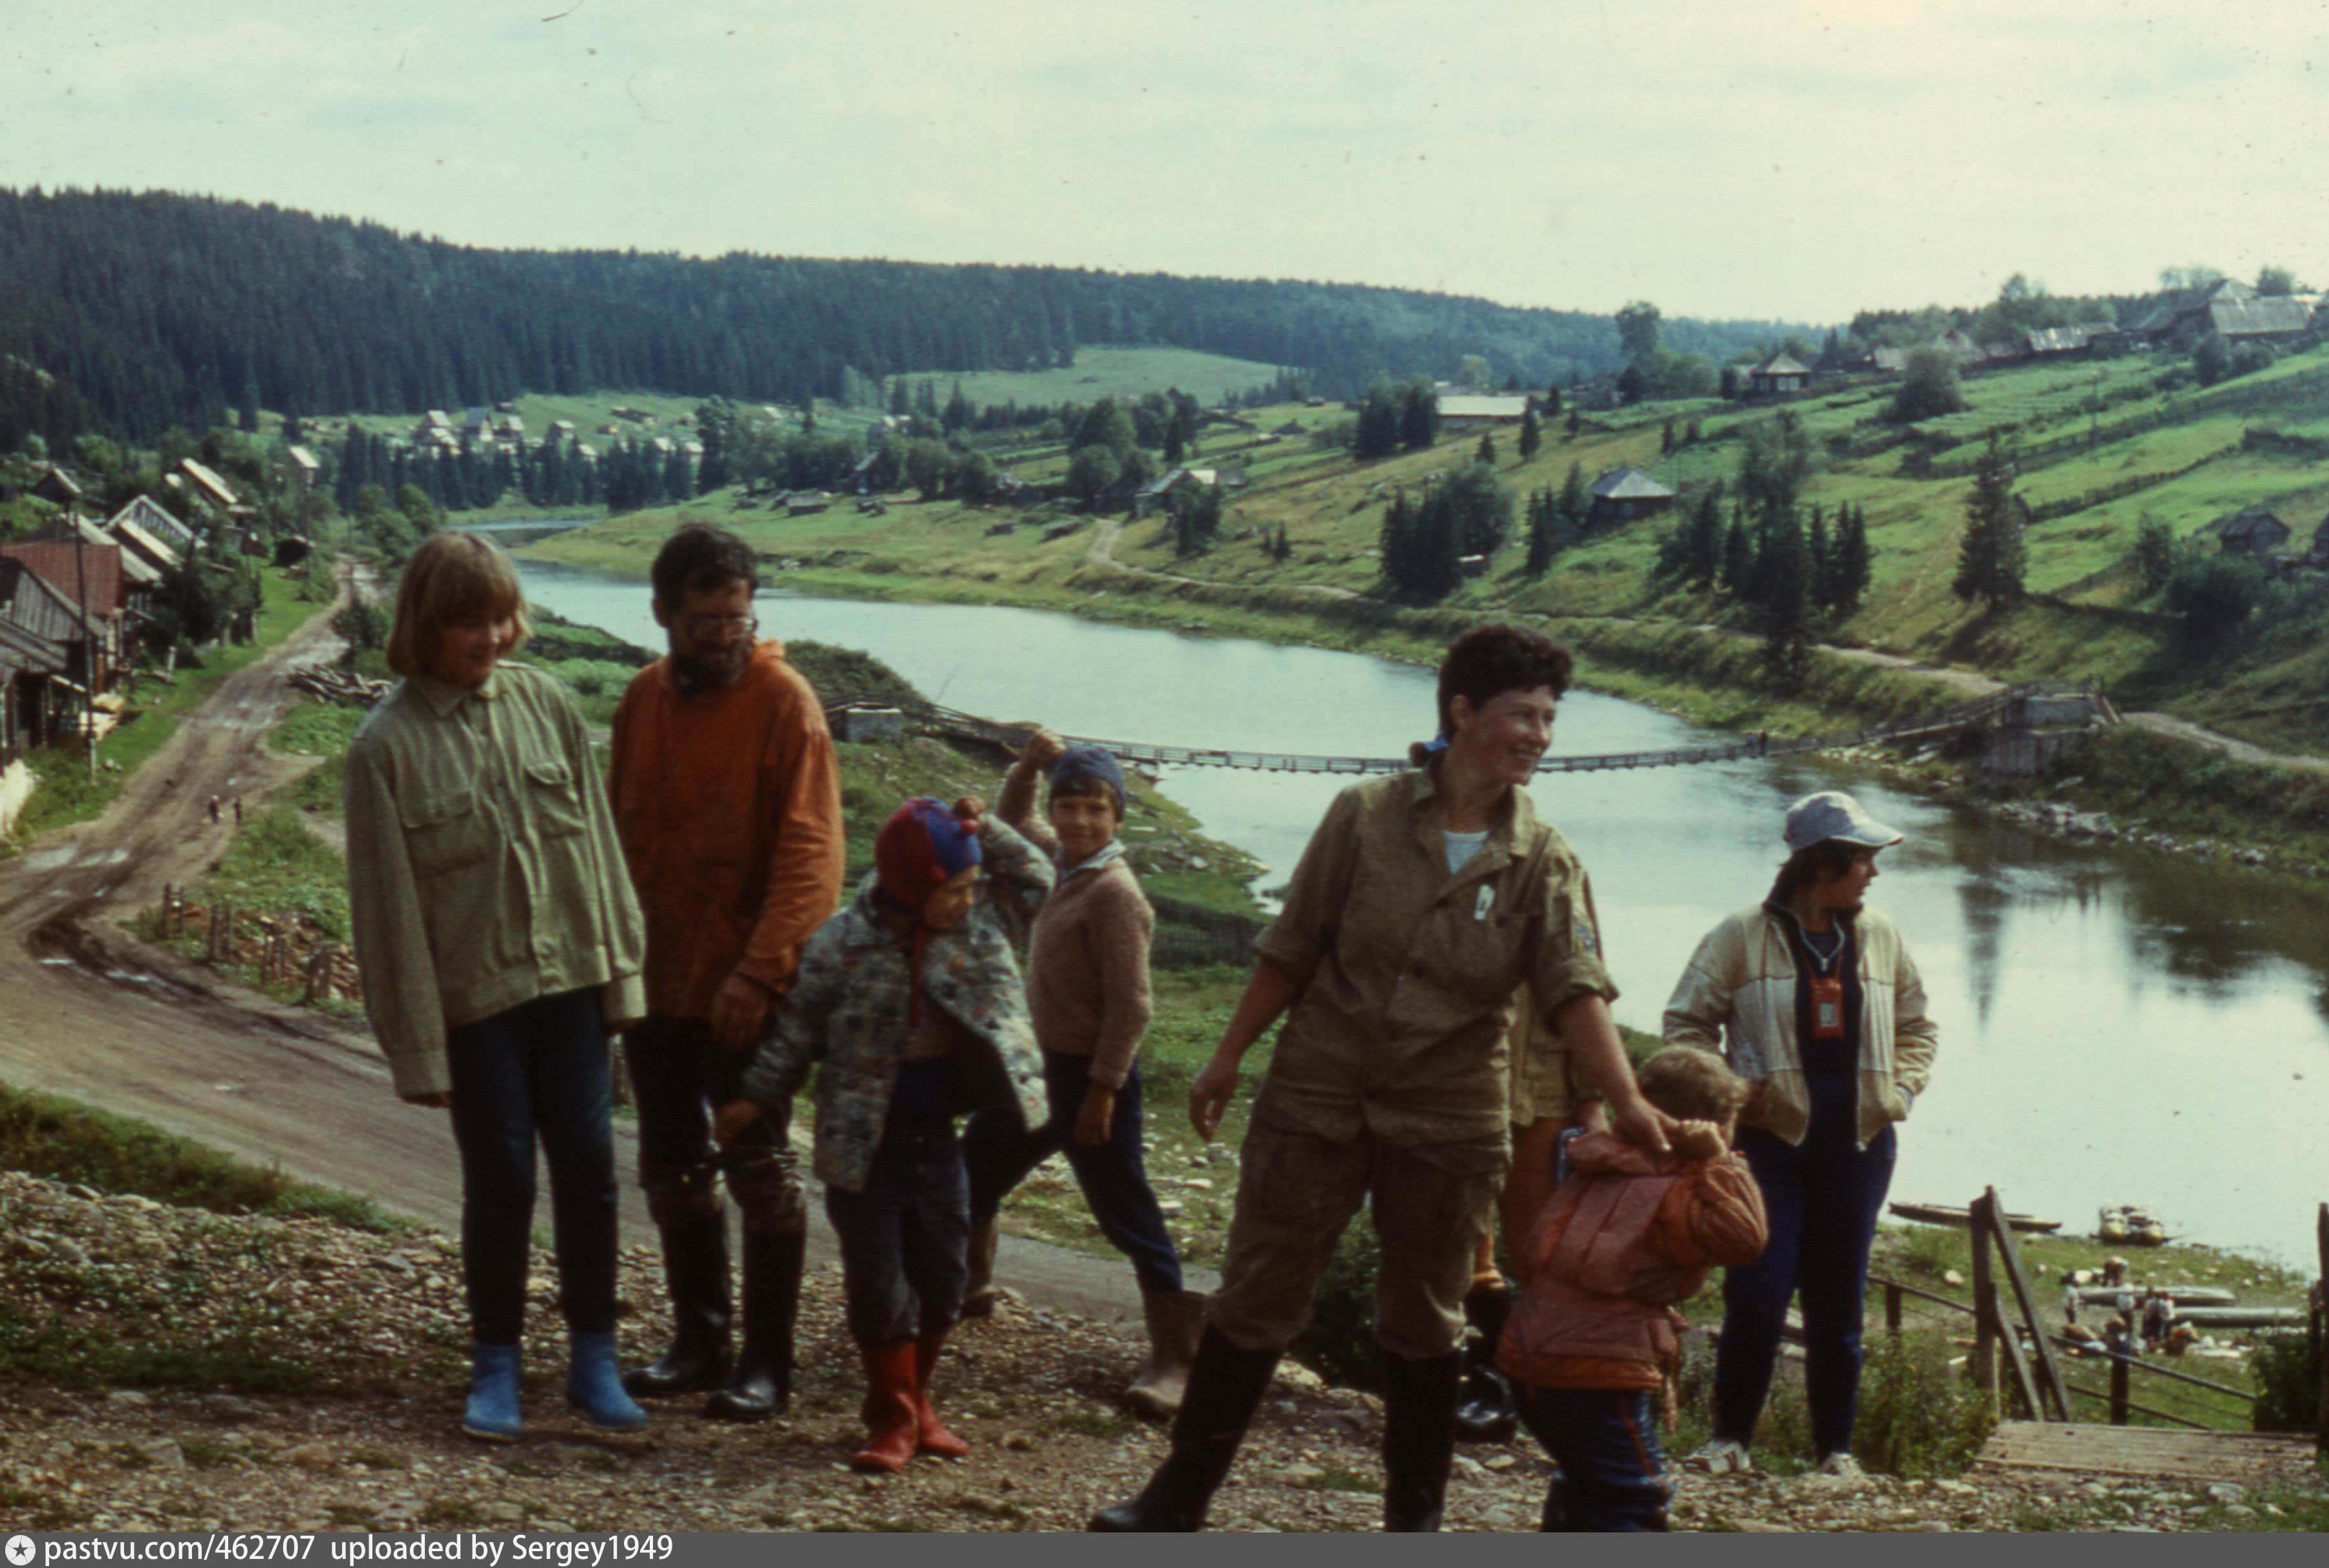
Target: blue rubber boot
[[594, 1386], [492, 1414]]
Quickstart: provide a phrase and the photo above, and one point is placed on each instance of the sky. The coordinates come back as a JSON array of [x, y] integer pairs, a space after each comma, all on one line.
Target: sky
[[1787, 160]]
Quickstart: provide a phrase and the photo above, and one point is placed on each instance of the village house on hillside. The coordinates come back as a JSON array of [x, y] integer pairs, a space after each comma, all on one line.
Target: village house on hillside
[[51, 653], [90, 576], [1622, 495], [2252, 530], [1778, 376], [1461, 408], [56, 485], [156, 519]]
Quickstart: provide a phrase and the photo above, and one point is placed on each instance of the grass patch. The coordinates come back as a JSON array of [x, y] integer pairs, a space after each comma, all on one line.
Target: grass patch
[[48, 1135], [276, 864]]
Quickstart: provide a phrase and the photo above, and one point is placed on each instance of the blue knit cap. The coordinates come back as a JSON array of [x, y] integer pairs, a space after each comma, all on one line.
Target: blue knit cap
[[1089, 762]]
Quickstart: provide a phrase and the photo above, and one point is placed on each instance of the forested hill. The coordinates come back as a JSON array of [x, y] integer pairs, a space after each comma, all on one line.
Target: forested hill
[[161, 310]]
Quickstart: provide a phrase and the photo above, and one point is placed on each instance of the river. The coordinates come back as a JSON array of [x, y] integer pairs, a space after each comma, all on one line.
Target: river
[[2117, 1026]]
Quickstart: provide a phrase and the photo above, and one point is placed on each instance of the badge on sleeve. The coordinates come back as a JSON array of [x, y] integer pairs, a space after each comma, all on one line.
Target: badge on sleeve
[[1582, 938]]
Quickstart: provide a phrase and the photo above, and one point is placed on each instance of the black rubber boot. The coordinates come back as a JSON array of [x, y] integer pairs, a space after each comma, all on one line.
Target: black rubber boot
[[1225, 1386], [1419, 1438], [763, 1383], [1485, 1412], [696, 1270]]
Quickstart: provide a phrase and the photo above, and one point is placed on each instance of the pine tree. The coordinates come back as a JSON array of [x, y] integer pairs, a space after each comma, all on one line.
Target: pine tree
[[1486, 452], [1665, 438], [1552, 401], [1378, 431], [1703, 559], [1820, 563], [1418, 414], [1576, 502], [1532, 436], [1544, 534], [1991, 561], [1738, 558], [1783, 570], [1851, 561]]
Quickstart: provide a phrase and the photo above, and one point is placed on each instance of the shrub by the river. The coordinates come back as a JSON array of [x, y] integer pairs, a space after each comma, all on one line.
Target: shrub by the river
[[2287, 1371]]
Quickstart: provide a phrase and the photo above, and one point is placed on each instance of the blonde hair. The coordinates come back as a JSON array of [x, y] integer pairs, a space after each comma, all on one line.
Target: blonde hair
[[452, 577], [1693, 1084]]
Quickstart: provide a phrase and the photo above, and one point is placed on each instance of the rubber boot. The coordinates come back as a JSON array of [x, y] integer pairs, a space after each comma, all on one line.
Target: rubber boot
[[492, 1415], [1484, 1412], [762, 1385], [594, 1385], [1225, 1386], [979, 1288], [695, 1273], [1419, 1438], [1176, 1319], [889, 1411], [931, 1436]]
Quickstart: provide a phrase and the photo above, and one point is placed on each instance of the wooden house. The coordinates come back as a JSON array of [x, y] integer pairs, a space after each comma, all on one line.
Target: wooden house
[[44, 623], [2253, 531], [154, 519], [56, 485], [304, 465], [1622, 495], [1466, 409], [90, 579], [1781, 375], [206, 487]]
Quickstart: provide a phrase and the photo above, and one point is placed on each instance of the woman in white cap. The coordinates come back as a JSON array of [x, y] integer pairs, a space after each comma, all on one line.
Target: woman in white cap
[[1813, 998]]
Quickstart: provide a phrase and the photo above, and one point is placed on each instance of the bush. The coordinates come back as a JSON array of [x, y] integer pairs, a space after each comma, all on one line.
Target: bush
[[2215, 593], [1919, 1416], [2288, 1370]]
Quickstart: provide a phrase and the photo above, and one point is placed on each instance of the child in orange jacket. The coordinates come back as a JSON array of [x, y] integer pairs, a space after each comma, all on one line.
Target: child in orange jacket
[[1626, 1234]]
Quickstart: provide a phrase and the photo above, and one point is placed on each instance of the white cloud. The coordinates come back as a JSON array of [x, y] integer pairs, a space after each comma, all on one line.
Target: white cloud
[[1790, 158]]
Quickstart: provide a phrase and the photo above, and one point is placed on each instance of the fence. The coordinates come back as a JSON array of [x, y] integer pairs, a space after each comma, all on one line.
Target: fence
[[2041, 454], [2133, 484], [1189, 935], [273, 946]]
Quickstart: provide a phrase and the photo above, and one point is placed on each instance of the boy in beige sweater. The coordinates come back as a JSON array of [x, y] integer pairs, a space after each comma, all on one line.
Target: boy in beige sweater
[[1088, 990]]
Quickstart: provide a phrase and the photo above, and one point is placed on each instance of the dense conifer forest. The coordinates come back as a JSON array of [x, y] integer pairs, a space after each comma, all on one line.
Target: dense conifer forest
[[133, 312]]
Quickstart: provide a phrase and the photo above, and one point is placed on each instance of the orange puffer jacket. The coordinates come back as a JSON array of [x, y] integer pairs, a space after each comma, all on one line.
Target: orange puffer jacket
[[1626, 1235]]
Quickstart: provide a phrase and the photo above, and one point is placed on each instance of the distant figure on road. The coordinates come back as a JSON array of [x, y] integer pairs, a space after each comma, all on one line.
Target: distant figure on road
[[238, 811], [214, 808], [1814, 1000], [728, 798], [500, 946]]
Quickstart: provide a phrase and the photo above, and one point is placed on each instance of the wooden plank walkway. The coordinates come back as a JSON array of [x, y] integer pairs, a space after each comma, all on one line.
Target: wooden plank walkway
[[1931, 724], [2147, 1453]]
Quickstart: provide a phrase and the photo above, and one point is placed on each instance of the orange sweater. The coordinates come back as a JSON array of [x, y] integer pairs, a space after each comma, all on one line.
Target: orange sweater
[[1625, 1236], [728, 807]]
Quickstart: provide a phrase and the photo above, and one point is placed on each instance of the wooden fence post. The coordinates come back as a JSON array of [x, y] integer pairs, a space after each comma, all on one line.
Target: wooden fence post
[[2009, 1253], [1984, 1293], [1893, 1309], [2321, 1336], [2118, 1390]]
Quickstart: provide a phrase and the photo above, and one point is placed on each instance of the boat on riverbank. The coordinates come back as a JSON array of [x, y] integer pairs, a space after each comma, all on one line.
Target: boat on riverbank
[[1958, 1214]]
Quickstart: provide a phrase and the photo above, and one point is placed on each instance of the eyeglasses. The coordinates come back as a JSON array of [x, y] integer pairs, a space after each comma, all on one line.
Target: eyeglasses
[[700, 627]]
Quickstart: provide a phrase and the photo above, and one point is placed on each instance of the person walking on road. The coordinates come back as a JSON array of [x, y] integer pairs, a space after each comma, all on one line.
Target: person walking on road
[[728, 798], [1418, 907], [1813, 998], [500, 945]]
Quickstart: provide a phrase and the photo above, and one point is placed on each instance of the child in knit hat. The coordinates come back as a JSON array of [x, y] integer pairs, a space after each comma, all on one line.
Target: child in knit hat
[[912, 999], [1088, 987]]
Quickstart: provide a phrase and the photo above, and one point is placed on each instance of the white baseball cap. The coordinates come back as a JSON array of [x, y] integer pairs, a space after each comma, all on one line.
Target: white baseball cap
[[1832, 814]]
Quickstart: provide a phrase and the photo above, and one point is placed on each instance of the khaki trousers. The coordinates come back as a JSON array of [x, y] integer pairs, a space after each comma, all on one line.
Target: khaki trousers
[[1296, 1193]]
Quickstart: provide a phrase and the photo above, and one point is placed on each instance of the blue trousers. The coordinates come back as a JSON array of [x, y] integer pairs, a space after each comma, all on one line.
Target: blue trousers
[[537, 1072], [1114, 1176], [905, 1239], [1821, 1199], [1611, 1474]]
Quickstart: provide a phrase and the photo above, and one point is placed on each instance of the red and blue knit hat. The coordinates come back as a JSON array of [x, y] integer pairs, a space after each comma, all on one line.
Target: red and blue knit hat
[[922, 847]]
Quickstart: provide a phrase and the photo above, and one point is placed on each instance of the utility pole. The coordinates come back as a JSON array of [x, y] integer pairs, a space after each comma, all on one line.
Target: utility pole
[[89, 669]]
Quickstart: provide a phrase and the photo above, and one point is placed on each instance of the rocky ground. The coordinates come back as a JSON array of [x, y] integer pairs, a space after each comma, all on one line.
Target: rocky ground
[[175, 1369]]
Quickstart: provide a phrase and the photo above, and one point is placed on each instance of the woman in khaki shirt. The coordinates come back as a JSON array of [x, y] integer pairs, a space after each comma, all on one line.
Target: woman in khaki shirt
[[500, 944], [1421, 906]]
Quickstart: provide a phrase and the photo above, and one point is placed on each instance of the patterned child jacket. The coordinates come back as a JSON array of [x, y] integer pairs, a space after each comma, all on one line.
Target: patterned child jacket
[[852, 1001]]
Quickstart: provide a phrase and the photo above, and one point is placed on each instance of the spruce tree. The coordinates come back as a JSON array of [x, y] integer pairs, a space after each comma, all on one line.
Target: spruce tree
[[1991, 561], [1544, 541], [1418, 414], [1532, 436], [1703, 559], [1851, 561], [1738, 558], [1820, 563], [1783, 572], [1576, 502], [1486, 452]]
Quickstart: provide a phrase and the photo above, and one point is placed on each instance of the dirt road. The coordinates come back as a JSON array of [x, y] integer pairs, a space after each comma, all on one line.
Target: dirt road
[[87, 1011]]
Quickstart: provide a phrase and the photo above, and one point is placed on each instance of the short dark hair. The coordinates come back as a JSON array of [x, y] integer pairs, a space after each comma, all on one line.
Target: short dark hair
[[1807, 866], [1693, 1084], [1490, 660], [699, 558]]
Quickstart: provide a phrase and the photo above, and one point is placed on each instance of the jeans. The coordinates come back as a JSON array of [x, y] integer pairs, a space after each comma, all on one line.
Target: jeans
[[537, 1071], [1000, 1152], [1611, 1473], [1821, 1199], [679, 1077], [905, 1239]]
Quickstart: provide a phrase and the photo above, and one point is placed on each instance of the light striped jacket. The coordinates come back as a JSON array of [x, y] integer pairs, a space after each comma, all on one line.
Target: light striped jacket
[[1737, 998]]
